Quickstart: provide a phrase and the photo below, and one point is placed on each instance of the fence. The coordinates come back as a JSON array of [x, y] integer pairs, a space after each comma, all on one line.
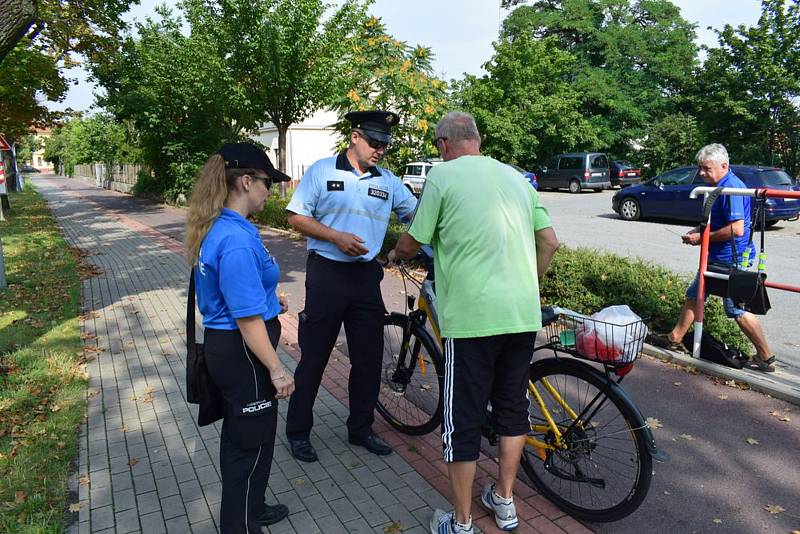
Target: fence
[[116, 177]]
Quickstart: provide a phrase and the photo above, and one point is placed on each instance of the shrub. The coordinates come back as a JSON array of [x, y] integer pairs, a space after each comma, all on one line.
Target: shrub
[[587, 280], [274, 212]]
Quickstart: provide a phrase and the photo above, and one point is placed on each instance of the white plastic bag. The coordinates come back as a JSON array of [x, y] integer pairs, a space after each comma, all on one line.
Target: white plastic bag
[[612, 335]]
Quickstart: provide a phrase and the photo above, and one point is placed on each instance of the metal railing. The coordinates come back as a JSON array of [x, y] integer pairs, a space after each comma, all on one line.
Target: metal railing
[[699, 308]]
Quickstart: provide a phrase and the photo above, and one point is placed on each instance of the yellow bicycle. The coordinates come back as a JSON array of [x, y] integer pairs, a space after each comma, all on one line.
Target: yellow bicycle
[[589, 450]]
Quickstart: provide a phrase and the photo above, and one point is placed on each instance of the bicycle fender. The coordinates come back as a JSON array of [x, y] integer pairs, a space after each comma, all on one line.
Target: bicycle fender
[[657, 454]]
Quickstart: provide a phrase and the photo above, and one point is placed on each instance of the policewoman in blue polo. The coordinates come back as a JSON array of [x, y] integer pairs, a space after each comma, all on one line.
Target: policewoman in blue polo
[[343, 205], [236, 279]]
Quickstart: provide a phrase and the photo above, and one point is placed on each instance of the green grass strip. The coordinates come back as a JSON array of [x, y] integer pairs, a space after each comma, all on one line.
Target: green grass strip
[[42, 376]]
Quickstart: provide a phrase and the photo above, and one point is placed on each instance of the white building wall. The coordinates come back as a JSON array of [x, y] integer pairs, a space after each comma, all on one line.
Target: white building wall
[[306, 142]]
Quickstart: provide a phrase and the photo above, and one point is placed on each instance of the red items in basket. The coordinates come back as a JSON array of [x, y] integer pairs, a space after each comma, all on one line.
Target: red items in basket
[[589, 344]]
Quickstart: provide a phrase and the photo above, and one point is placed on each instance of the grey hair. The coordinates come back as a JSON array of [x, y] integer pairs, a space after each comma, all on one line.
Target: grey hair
[[714, 152], [458, 126]]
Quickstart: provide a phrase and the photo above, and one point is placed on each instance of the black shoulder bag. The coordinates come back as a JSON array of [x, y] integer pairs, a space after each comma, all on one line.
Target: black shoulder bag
[[200, 388], [745, 288]]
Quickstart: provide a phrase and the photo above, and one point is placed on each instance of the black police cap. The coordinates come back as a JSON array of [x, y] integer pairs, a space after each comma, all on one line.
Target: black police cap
[[247, 156], [376, 125]]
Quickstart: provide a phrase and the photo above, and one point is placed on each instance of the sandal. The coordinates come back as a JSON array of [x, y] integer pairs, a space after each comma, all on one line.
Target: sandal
[[763, 365], [666, 343]]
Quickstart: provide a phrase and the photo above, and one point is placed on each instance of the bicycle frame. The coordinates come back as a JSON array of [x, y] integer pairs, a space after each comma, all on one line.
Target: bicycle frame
[[427, 309]]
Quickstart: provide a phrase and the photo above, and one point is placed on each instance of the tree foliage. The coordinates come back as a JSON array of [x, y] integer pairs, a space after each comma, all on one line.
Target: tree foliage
[[28, 74], [34, 68], [747, 93], [384, 73], [627, 61], [243, 63], [671, 142], [177, 93], [286, 56], [527, 106], [84, 140]]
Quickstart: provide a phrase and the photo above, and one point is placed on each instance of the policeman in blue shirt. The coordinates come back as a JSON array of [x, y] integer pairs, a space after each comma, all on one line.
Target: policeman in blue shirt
[[343, 205], [236, 278]]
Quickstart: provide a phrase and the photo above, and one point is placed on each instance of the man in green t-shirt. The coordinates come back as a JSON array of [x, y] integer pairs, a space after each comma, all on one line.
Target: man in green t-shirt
[[492, 240]]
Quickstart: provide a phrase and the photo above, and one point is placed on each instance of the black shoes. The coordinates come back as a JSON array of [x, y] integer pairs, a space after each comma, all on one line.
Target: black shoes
[[373, 444], [273, 514], [302, 450]]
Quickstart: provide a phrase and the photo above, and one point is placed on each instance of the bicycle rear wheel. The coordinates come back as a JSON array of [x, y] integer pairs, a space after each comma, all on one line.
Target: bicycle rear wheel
[[411, 377], [604, 472]]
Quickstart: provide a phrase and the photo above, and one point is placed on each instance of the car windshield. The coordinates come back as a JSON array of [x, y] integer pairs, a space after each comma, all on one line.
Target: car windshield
[[624, 164]]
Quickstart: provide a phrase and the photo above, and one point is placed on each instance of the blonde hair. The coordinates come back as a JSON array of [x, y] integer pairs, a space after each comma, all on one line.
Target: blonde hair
[[211, 188]]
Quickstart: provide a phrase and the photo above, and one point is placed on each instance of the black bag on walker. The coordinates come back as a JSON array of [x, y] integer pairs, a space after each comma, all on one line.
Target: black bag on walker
[[745, 288]]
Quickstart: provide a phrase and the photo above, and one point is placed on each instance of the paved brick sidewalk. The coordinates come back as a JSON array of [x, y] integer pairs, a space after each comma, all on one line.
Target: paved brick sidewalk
[[145, 466]]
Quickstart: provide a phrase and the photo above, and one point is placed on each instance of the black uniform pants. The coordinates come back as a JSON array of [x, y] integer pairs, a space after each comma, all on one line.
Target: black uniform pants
[[336, 293], [248, 428]]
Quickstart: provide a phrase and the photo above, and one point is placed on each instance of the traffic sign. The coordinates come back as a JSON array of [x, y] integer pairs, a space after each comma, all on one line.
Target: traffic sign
[[4, 144]]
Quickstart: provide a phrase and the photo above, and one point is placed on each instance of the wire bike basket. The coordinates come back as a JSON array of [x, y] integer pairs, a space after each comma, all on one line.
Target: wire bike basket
[[609, 343]]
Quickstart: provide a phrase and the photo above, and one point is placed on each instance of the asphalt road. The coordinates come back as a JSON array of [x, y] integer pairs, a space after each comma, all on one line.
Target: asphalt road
[[587, 220], [716, 480]]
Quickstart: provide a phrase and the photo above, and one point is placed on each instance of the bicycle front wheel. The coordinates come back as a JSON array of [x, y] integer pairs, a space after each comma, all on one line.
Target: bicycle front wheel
[[602, 471], [411, 377]]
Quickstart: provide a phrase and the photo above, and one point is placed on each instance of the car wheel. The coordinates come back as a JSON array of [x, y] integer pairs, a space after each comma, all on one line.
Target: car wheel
[[574, 186], [770, 224], [629, 209]]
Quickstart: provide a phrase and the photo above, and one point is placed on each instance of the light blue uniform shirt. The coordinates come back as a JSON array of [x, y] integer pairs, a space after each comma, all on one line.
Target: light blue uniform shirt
[[235, 276], [332, 192]]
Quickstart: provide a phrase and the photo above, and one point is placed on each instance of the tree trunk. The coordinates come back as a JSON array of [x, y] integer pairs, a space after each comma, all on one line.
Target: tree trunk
[[17, 17], [282, 132]]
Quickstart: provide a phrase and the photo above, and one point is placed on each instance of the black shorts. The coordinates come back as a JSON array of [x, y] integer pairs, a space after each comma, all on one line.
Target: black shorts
[[479, 370]]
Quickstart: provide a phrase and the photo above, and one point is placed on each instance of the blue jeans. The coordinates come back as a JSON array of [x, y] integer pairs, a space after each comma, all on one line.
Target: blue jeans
[[730, 308]]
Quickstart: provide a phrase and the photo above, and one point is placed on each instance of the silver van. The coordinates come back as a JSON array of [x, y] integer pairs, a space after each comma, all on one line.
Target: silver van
[[415, 173], [576, 172]]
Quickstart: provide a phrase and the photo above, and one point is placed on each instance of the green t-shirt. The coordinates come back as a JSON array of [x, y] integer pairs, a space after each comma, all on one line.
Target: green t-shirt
[[480, 216]]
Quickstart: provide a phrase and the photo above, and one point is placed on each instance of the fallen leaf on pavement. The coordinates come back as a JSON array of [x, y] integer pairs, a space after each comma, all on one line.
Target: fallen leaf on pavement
[[667, 493], [133, 461], [717, 520], [687, 437], [394, 528], [75, 507], [677, 383], [752, 441], [774, 508], [652, 422], [84, 480]]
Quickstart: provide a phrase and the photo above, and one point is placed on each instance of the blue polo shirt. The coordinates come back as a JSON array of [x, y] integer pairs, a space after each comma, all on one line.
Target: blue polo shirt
[[726, 210], [335, 194], [232, 262]]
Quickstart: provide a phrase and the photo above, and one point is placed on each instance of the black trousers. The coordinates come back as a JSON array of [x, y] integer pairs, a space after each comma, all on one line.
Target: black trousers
[[248, 428], [336, 293]]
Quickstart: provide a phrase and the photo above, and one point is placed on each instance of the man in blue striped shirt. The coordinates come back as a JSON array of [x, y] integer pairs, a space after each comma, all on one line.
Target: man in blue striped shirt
[[343, 205]]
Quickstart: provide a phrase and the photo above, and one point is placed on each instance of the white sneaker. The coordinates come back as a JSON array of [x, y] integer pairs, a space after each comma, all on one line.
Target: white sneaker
[[505, 514], [444, 523]]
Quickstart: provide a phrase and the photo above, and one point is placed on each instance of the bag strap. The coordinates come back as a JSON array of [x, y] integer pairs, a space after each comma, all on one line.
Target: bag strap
[[190, 331]]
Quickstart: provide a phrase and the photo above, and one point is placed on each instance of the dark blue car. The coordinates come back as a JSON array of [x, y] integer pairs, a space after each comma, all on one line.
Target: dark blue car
[[530, 176], [667, 195]]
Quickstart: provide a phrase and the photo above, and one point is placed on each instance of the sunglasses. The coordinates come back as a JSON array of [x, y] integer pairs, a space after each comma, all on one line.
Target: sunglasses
[[266, 179], [373, 144]]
